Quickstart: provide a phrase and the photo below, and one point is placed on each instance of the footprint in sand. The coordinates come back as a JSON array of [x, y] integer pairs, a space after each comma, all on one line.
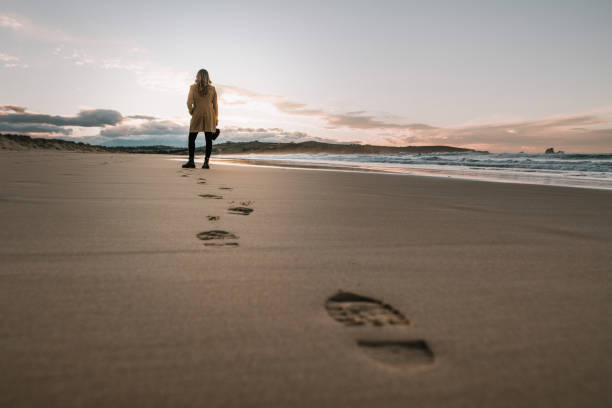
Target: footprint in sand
[[226, 188], [201, 180], [354, 310], [351, 309], [213, 217], [217, 235], [240, 210], [415, 353], [243, 209], [212, 196]]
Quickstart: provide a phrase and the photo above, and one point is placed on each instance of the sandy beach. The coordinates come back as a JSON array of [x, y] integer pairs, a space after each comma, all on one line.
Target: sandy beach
[[128, 281]]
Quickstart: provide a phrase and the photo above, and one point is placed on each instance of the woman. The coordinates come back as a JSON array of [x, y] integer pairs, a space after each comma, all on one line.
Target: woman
[[202, 106]]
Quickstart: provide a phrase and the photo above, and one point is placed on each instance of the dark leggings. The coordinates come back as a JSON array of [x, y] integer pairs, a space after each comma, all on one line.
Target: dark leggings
[[192, 138]]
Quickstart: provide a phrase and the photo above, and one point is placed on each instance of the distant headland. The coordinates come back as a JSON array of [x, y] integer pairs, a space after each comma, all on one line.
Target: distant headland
[[23, 142]]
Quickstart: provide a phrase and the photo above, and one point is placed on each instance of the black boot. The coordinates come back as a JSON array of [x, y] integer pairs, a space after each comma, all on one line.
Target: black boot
[[191, 145], [205, 165], [190, 164]]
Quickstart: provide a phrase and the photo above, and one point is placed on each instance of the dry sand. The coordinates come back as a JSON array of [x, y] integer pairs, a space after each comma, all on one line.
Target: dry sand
[[474, 293]]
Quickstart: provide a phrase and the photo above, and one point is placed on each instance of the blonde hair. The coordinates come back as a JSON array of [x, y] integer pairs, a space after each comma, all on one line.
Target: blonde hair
[[202, 81]]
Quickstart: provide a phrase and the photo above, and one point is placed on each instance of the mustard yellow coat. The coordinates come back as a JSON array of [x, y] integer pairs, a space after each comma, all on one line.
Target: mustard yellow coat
[[203, 109]]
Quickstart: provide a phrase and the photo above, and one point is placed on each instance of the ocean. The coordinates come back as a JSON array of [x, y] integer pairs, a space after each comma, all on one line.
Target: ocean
[[573, 170]]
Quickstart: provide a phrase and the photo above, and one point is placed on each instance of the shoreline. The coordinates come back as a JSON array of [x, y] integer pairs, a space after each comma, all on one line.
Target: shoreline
[[287, 164]]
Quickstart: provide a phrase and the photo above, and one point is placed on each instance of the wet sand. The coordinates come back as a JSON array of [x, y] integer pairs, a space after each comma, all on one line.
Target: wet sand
[[127, 281]]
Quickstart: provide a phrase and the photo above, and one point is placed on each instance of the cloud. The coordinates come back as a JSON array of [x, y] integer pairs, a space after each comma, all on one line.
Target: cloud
[[13, 108], [162, 78], [112, 124], [293, 108], [149, 75], [29, 128], [9, 22], [591, 132], [40, 32], [233, 95], [10, 61], [176, 132], [83, 52], [586, 132], [141, 117], [79, 58], [241, 134], [7, 58], [16, 119], [85, 118], [150, 127], [360, 121], [169, 133], [357, 120], [564, 132]]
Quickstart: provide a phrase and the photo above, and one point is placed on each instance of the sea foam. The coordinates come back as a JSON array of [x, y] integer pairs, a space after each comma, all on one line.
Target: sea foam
[[574, 170]]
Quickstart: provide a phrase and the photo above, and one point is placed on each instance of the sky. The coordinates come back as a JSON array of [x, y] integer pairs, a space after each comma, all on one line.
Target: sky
[[502, 76]]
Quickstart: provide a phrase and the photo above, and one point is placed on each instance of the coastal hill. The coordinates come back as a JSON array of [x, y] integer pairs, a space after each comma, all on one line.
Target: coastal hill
[[22, 142], [318, 147]]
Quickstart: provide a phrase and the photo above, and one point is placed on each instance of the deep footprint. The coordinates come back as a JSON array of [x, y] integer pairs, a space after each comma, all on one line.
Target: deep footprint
[[213, 217], [226, 188], [233, 244], [398, 353], [351, 309], [212, 196], [216, 234], [240, 210]]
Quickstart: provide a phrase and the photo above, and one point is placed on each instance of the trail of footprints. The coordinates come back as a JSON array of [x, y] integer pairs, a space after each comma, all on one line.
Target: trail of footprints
[[349, 309], [221, 238], [353, 310]]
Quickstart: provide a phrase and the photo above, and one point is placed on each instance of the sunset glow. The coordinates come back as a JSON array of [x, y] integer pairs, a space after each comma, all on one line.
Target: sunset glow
[[414, 78]]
